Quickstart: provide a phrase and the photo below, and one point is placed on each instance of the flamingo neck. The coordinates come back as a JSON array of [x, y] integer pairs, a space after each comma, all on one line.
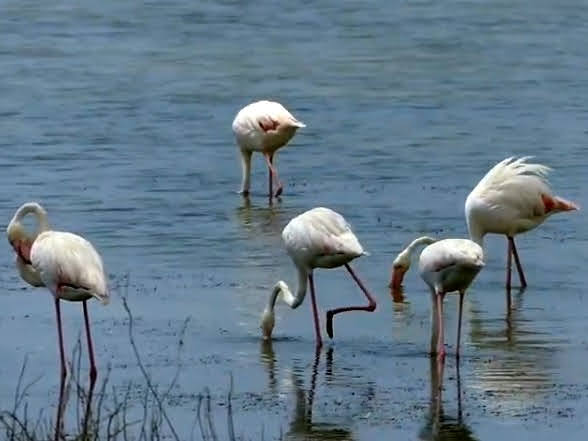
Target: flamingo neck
[[415, 244], [15, 229], [476, 234], [405, 256], [246, 168], [282, 288]]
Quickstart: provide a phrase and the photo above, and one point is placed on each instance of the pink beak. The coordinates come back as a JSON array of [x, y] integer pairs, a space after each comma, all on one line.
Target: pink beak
[[397, 278]]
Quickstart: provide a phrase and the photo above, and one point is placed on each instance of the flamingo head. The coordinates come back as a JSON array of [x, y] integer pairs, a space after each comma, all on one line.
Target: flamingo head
[[267, 323], [399, 268], [21, 242]]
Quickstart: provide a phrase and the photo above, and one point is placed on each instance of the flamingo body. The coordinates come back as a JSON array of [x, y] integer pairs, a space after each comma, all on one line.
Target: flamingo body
[[446, 266], [512, 198], [451, 265], [321, 238], [69, 266], [263, 126], [318, 238]]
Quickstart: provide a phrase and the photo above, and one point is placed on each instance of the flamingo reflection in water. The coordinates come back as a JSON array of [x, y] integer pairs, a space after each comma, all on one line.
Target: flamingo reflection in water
[[302, 426], [439, 425]]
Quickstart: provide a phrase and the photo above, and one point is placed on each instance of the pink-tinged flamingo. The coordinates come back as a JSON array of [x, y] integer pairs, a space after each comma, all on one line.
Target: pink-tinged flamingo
[[263, 126], [513, 197], [318, 238], [67, 264], [447, 265]]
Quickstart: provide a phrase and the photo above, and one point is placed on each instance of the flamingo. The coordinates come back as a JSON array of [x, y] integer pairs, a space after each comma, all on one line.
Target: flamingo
[[513, 197], [446, 265], [317, 238], [67, 264], [263, 126]]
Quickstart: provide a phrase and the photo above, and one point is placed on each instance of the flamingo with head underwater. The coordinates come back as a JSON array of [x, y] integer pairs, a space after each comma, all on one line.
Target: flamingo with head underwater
[[265, 127], [67, 264], [318, 238], [447, 265], [513, 197]]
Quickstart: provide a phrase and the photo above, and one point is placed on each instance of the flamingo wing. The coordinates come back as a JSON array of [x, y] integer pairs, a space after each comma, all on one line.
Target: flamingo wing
[[68, 259], [451, 252], [322, 231], [263, 116]]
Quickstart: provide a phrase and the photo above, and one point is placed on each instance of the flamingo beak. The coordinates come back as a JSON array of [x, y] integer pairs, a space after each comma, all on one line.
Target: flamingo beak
[[23, 250], [397, 277]]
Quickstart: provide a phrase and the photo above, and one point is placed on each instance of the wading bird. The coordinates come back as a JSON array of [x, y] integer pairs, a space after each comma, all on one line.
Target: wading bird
[[265, 127], [513, 197], [318, 238], [67, 264], [447, 265]]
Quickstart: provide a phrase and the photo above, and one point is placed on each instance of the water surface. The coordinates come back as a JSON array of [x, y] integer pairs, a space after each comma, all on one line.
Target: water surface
[[116, 117]]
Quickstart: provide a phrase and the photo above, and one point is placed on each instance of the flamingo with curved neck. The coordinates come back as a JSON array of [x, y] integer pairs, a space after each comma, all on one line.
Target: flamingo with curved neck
[[512, 198], [318, 238], [67, 264], [265, 127], [446, 266]]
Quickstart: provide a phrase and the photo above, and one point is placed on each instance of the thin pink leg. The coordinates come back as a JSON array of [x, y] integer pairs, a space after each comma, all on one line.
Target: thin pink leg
[[317, 326], [60, 336], [60, 406], [518, 263], [461, 295], [273, 173], [440, 338], [93, 370], [508, 262], [370, 307]]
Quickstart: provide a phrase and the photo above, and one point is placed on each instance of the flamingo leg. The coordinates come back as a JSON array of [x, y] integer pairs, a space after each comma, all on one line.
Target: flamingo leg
[[440, 338], [317, 327], [60, 336], [518, 263], [93, 370], [371, 306], [60, 405], [508, 262], [461, 296], [273, 173]]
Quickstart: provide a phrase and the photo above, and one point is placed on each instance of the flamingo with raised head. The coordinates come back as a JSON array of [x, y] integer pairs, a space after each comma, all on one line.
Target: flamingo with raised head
[[317, 238], [513, 197], [263, 126], [446, 265], [67, 264]]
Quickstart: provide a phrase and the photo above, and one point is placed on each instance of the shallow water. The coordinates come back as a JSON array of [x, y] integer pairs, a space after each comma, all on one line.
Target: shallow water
[[117, 118]]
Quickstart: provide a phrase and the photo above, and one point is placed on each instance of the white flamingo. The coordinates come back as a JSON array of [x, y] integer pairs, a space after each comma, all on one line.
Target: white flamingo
[[447, 265], [263, 126], [513, 197], [317, 238], [67, 264]]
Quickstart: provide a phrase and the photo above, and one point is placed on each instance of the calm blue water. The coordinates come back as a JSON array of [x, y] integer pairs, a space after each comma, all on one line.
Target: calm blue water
[[117, 118]]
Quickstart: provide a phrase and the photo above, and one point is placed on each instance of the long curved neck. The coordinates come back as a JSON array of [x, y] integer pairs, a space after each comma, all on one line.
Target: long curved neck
[[246, 167], [290, 299], [421, 241], [476, 234], [406, 255], [15, 225]]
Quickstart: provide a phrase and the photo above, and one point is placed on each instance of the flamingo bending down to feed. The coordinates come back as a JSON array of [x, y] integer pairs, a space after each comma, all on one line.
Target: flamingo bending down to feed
[[263, 126], [67, 264], [446, 266], [513, 197], [318, 238]]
